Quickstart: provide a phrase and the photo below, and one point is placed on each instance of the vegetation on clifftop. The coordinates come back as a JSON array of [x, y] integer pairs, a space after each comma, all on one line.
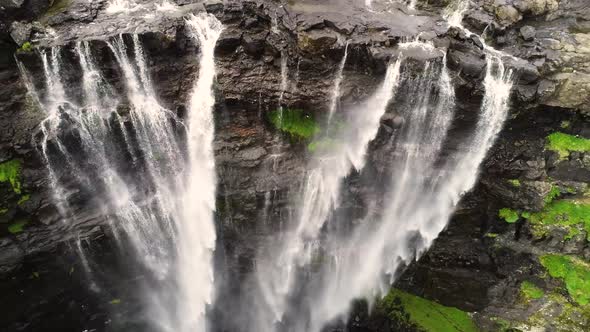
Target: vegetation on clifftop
[[427, 315], [563, 144]]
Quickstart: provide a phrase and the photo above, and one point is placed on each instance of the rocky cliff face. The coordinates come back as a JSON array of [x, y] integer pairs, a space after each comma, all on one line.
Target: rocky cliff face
[[515, 254]]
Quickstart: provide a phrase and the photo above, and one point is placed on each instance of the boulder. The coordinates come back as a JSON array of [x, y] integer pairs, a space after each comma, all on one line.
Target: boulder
[[537, 7], [20, 32], [11, 3], [528, 33], [317, 41], [507, 14]]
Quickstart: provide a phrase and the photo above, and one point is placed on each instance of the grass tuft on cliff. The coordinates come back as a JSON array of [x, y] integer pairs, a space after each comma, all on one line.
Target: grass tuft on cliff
[[514, 182], [553, 193], [10, 172], [26, 47], [574, 272], [564, 144], [530, 291], [509, 215], [429, 316], [294, 122], [17, 226]]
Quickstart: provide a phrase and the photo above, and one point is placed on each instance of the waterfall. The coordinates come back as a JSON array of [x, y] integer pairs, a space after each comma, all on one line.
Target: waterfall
[[196, 238], [276, 276], [335, 95], [284, 81], [454, 13], [163, 210], [367, 254], [422, 194]]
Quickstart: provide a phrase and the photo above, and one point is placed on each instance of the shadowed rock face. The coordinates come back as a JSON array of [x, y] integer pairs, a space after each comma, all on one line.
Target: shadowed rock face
[[466, 268]]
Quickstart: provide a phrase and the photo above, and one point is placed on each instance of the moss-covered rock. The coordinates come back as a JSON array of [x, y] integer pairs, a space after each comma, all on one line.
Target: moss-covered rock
[[17, 226], [530, 291], [10, 172], [509, 215], [564, 144], [574, 272], [294, 122], [570, 215], [426, 315]]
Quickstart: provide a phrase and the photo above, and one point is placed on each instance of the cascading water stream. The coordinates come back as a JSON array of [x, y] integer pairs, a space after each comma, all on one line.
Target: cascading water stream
[[196, 231], [363, 257], [163, 211], [284, 81], [423, 196], [122, 6], [276, 277], [335, 96]]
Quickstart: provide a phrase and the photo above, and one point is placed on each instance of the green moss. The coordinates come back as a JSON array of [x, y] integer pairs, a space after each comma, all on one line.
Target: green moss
[[563, 144], [17, 226], [491, 235], [3, 211], [559, 314], [565, 124], [10, 172], [26, 47], [574, 272], [509, 215], [295, 122], [501, 324], [23, 199], [530, 291], [427, 315], [514, 182], [553, 193], [572, 215], [59, 6], [115, 301]]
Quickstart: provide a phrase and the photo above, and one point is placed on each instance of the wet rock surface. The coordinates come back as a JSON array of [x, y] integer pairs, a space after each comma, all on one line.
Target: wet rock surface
[[477, 264]]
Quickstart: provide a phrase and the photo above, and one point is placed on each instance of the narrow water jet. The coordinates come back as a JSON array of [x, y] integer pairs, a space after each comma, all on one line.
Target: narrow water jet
[[335, 95]]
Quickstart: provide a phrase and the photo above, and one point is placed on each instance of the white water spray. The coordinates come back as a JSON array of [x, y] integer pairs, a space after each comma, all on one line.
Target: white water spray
[[276, 276], [422, 196], [163, 212], [122, 6]]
